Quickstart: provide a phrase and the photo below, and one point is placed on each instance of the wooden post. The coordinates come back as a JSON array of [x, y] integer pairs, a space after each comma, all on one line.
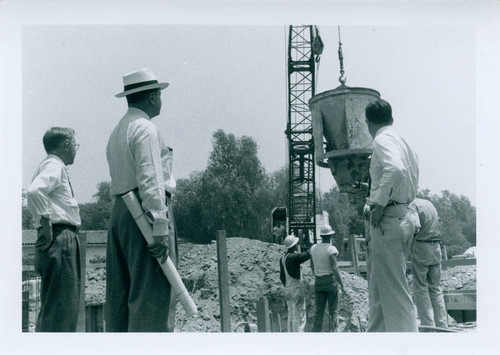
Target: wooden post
[[354, 253], [445, 254], [263, 324], [172, 254], [82, 244], [225, 315]]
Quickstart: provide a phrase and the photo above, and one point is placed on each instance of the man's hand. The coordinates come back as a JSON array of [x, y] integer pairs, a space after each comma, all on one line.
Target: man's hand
[[377, 213], [159, 249], [366, 211], [44, 240]]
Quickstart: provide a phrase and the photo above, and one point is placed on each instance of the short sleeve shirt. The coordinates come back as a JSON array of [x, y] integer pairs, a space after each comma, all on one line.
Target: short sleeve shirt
[[320, 254]]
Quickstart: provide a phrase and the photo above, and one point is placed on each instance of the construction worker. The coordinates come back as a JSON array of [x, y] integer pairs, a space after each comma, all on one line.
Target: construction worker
[[56, 215], [276, 235], [394, 183], [291, 278], [137, 292], [426, 266], [327, 277]]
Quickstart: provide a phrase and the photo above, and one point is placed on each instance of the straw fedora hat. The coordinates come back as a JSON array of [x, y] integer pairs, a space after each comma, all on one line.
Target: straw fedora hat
[[326, 230], [140, 80], [290, 241]]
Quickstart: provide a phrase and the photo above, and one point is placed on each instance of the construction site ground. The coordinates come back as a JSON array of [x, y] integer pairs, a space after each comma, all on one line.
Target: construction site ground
[[253, 268]]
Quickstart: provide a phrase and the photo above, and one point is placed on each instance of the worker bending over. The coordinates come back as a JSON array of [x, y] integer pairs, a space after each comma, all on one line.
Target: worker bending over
[[291, 278], [426, 266], [327, 276]]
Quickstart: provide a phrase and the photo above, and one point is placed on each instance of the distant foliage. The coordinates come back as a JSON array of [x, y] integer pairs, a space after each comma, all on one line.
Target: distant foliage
[[457, 215], [26, 218], [95, 215], [458, 219], [233, 193]]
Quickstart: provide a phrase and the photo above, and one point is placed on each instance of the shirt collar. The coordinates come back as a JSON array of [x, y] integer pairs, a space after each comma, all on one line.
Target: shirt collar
[[383, 129], [53, 156], [138, 112]]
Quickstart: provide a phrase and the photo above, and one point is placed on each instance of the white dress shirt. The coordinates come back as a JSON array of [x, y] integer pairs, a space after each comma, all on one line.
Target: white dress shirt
[[50, 194], [138, 158], [393, 169]]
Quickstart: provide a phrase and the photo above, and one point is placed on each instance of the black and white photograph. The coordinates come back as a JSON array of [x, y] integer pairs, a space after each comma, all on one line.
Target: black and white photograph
[[199, 170]]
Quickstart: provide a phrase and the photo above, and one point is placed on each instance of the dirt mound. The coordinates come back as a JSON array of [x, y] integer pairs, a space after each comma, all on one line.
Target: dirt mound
[[459, 278], [254, 274], [253, 268]]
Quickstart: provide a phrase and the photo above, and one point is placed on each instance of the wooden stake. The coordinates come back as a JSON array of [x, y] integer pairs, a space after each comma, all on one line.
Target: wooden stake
[[263, 324], [225, 315]]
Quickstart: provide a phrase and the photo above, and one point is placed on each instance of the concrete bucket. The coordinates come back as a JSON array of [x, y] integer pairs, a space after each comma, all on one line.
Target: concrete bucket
[[341, 138]]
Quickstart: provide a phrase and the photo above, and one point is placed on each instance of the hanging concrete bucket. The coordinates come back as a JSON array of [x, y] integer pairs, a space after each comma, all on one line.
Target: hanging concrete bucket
[[341, 138]]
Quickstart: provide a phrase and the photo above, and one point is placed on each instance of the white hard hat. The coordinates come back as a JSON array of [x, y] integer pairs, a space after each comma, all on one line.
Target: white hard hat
[[290, 241], [326, 230]]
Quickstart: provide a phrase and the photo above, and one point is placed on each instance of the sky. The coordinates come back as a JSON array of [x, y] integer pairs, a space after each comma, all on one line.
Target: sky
[[234, 78], [63, 62]]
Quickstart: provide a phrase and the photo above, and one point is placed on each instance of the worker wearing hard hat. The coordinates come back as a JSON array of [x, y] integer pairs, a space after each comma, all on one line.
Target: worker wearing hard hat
[[327, 277], [291, 278]]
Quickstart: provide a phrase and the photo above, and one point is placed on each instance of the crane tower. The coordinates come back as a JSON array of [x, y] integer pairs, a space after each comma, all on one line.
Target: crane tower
[[304, 48]]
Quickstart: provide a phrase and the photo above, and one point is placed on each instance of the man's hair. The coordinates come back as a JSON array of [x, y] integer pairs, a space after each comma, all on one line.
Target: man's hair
[[55, 136], [139, 96], [379, 111]]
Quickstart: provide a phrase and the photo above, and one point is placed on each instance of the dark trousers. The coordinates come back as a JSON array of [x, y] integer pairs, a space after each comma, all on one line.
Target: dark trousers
[[60, 271], [137, 292], [325, 290]]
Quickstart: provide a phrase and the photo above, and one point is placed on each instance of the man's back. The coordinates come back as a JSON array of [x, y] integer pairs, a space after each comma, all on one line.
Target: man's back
[[120, 151], [429, 220], [394, 168], [320, 254]]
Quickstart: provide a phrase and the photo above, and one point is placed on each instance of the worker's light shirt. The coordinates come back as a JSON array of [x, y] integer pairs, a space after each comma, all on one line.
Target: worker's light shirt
[[393, 169], [430, 224], [50, 194], [138, 158], [320, 254]]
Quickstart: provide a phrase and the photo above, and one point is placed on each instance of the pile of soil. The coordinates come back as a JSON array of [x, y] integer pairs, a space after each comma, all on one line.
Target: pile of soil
[[459, 278], [253, 274]]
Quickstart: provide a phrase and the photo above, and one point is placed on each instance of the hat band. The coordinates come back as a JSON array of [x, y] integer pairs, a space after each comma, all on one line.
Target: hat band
[[138, 85]]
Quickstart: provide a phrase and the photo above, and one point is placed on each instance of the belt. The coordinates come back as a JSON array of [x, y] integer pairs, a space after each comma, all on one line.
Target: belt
[[428, 241], [63, 226], [136, 191]]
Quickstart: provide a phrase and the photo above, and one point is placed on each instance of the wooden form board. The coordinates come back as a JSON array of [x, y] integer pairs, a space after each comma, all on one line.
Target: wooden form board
[[460, 300]]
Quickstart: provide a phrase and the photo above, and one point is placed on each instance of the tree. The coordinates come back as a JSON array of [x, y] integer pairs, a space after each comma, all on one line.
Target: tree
[[233, 193], [458, 218], [230, 184], [345, 213], [26, 218], [187, 209], [95, 215]]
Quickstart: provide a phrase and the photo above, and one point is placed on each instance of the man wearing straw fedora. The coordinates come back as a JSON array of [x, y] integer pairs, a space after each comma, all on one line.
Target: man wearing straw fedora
[[137, 293], [291, 278]]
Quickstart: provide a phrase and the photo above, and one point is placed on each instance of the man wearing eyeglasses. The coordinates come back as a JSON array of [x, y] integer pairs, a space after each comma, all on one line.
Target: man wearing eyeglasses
[[56, 216]]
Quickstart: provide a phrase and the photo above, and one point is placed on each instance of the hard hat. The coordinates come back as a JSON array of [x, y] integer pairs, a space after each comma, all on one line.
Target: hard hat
[[326, 230], [290, 241]]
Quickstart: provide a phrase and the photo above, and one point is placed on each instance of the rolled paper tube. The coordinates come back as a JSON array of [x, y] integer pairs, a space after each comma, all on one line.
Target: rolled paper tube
[[168, 267]]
